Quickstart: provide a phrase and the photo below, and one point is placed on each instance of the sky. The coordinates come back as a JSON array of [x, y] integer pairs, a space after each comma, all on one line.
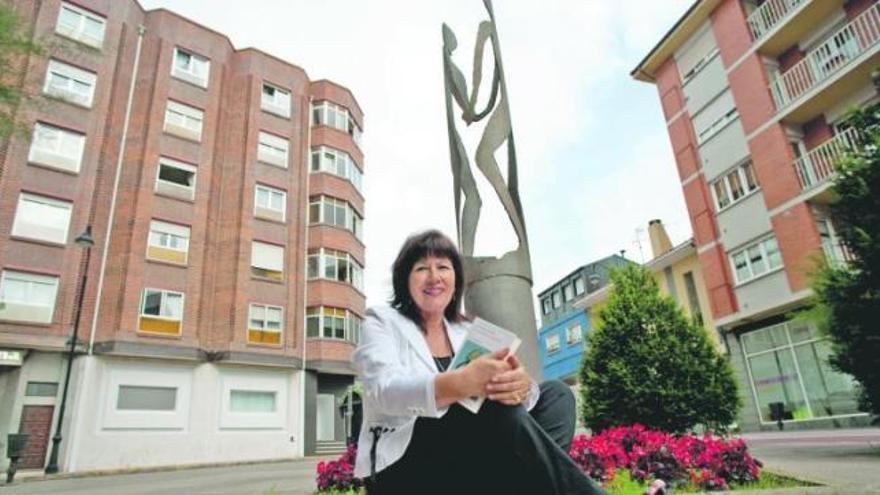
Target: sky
[[594, 159]]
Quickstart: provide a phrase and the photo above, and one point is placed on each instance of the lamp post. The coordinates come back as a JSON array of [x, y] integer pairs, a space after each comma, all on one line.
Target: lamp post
[[86, 242]]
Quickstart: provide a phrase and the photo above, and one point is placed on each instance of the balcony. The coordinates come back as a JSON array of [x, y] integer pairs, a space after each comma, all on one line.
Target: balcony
[[776, 25], [769, 14], [818, 166], [826, 64]]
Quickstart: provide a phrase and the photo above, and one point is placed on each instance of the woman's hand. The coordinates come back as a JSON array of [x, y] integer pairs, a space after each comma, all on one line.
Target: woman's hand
[[512, 386], [471, 380]]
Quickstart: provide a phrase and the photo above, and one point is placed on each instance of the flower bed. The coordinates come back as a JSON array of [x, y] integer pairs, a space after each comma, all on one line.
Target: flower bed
[[707, 462], [702, 462]]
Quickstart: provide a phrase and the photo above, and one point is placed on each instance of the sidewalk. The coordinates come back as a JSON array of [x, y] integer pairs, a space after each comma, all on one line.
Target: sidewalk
[[285, 478], [847, 460]]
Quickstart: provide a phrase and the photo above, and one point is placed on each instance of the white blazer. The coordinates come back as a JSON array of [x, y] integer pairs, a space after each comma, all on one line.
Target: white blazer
[[397, 372]]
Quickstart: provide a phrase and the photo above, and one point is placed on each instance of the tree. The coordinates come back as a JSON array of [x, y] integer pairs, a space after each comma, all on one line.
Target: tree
[[15, 44], [648, 363], [848, 295]]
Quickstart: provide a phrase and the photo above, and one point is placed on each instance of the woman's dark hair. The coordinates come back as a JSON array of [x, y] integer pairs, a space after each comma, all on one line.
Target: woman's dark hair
[[418, 246]]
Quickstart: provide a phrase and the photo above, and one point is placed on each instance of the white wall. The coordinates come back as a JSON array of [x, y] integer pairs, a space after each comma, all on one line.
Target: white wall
[[200, 430]]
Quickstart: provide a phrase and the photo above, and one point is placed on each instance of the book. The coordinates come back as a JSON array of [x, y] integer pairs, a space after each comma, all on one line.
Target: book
[[482, 338]]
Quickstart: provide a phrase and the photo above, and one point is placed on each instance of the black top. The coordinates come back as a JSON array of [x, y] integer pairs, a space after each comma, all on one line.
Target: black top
[[442, 362]]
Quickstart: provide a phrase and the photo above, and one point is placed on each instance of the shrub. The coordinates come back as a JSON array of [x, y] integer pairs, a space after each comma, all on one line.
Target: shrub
[[708, 462]]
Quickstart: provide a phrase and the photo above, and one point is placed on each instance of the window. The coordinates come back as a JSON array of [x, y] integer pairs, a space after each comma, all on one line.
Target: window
[[338, 117], [267, 260], [81, 25], [788, 365], [335, 265], [693, 299], [545, 305], [56, 147], [251, 401], [168, 242], [337, 162], [183, 121], [27, 296], [333, 323], [734, 185], [579, 286], [332, 211], [272, 149], [176, 179], [161, 312], [574, 334], [275, 100], [70, 83], [139, 398], [38, 217], [557, 299], [190, 67], [41, 389], [270, 202], [552, 343], [715, 116], [757, 259], [567, 292], [264, 324]]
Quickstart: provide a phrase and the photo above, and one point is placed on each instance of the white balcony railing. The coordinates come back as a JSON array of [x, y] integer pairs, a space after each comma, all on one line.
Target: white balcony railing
[[852, 40], [817, 166], [768, 15]]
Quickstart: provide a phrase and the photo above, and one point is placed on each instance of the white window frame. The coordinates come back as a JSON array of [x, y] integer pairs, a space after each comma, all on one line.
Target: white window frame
[[256, 381], [170, 162], [724, 182], [182, 116], [324, 258], [353, 221], [342, 119], [352, 327], [272, 149], [271, 191], [136, 374], [163, 304], [70, 76], [579, 286], [28, 299], [279, 103], [567, 292], [265, 319], [556, 296], [328, 159], [78, 32], [172, 230], [545, 305], [552, 344], [574, 334], [762, 246], [268, 250], [52, 153], [191, 73], [18, 226]]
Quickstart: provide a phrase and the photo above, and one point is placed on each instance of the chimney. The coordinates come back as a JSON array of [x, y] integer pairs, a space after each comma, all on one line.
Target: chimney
[[660, 243]]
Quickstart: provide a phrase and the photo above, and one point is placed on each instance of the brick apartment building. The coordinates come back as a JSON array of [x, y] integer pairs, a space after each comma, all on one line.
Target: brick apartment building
[[754, 95], [223, 294]]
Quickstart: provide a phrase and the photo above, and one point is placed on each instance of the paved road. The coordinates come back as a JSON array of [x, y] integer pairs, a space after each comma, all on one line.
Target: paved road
[[846, 458], [287, 478]]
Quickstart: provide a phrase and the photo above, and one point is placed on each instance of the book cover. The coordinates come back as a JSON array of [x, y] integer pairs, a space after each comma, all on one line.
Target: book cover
[[482, 338]]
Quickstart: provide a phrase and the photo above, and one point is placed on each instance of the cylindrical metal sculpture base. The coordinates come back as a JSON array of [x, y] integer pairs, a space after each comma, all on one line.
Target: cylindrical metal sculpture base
[[506, 300]]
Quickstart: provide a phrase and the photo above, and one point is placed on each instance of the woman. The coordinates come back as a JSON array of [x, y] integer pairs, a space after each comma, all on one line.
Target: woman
[[415, 439]]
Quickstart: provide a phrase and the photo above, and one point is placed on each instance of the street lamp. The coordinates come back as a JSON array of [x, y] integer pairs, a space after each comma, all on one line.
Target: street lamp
[[86, 242]]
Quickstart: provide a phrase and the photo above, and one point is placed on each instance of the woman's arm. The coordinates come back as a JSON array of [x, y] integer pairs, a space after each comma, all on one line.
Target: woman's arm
[[471, 380]]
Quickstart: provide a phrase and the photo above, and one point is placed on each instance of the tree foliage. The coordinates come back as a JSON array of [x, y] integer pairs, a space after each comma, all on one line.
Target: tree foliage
[[848, 295], [648, 363], [15, 44]]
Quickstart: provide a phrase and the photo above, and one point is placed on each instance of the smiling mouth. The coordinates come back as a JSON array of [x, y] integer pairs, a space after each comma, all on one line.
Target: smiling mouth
[[433, 291]]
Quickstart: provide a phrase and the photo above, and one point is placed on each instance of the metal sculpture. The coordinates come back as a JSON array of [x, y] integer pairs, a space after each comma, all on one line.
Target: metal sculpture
[[498, 289]]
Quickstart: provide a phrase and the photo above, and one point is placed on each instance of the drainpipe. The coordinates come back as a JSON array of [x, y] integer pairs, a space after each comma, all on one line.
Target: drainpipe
[[134, 72], [302, 379]]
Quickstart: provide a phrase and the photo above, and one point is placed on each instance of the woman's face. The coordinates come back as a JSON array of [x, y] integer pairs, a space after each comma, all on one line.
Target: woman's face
[[431, 284]]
